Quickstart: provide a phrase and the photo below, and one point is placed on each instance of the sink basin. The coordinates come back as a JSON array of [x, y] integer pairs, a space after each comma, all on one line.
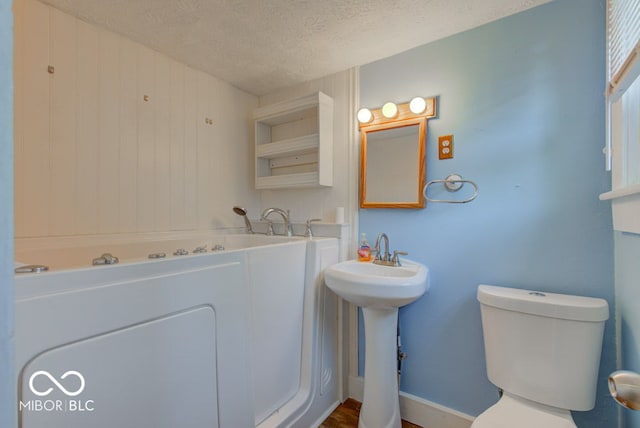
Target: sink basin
[[370, 285]]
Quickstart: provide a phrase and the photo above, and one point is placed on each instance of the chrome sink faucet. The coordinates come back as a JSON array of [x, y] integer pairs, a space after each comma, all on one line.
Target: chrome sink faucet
[[285, 217], [385, 258], [382, 257]]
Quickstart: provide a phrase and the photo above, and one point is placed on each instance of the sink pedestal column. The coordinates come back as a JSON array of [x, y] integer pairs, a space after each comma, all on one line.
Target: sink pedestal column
[[380, 403]]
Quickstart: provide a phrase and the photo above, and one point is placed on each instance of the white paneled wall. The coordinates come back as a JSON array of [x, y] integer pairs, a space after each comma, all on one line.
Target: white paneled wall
[[120, 138]]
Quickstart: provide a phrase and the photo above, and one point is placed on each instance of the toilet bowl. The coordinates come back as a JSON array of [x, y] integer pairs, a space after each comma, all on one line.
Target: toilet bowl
[[512, 411], [543, 351]]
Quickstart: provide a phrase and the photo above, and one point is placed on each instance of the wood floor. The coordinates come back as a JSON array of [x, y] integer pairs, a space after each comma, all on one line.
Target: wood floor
[[346, 416]]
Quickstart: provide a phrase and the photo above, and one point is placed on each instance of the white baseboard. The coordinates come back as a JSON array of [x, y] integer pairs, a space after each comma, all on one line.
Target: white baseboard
[[418, 410]]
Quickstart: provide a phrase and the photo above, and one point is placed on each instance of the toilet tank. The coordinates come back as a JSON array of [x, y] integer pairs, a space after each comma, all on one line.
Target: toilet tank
[[543, 346]]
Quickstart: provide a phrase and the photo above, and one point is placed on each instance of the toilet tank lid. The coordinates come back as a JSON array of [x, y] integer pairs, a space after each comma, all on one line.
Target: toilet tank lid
[[561, 306]]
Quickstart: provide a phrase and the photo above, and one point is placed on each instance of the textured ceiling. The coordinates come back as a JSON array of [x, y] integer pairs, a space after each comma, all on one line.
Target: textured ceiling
[[263, 45]]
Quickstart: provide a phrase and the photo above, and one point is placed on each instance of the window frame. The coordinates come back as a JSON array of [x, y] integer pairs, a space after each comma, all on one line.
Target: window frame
[[625, 195]]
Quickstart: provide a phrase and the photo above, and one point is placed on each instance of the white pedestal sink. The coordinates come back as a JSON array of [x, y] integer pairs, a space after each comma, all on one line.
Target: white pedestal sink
[[380, 291]]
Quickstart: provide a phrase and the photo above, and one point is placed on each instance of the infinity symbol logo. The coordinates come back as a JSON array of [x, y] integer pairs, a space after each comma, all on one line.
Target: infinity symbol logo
[[56, 383]]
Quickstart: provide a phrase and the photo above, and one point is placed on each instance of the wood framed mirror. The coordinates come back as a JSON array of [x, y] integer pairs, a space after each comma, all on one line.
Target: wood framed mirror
[[393, 159]]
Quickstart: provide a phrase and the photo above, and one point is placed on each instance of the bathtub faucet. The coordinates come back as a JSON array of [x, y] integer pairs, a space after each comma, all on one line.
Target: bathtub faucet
[[285, 217]]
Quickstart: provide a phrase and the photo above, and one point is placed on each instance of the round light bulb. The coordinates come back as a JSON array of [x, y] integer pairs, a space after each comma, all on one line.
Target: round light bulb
[[417, 105], [364, 115], [389, 110]]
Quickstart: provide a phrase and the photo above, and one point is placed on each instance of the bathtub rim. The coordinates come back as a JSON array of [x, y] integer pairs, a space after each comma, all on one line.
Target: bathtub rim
[[97, 245]]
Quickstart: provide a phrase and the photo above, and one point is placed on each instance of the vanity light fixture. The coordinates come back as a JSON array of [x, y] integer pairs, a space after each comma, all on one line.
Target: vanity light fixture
[[364, 115], [392, 112], [417, 105], [389, 110]]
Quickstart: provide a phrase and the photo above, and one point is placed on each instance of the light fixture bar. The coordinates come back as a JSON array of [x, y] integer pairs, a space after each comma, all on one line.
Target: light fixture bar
[[391, 112]]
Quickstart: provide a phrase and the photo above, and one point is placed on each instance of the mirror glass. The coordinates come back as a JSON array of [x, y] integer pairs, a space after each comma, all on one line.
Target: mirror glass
[[392, 165]]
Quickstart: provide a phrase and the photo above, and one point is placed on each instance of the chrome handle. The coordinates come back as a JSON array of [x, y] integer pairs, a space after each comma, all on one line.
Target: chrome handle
[[624, 387], [105, 259], [308, 233], [157, 255], [31, 269], [395, 259]]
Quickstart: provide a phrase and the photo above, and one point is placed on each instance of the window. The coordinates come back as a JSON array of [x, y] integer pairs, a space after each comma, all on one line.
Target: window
[[631, 134], [623, 112]]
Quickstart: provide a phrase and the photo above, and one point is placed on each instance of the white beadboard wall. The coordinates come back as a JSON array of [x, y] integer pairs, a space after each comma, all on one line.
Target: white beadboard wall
[[92, 156]]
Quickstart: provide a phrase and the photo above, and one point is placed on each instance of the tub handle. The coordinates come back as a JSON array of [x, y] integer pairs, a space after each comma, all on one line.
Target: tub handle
[[157, 255], [31, 269], [105, 259], [309, 233]]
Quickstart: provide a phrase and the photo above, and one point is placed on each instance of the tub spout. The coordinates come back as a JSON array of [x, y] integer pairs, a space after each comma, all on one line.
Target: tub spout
[[288, 231]]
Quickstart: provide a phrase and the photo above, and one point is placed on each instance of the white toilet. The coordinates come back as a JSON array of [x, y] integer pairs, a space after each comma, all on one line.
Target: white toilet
[[543, 351]]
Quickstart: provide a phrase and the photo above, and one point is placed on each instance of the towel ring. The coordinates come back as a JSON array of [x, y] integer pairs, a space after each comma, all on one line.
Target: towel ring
[[452, 183]]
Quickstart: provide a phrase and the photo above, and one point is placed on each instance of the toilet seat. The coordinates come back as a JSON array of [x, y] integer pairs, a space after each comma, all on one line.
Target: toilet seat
[[512, 411]]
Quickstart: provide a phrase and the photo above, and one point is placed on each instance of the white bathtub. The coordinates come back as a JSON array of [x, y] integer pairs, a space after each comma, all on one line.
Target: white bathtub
[[242, 337]]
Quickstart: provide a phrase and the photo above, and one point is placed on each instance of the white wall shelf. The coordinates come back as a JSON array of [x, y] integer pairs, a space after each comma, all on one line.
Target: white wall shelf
[[294, 143], [289, 147]]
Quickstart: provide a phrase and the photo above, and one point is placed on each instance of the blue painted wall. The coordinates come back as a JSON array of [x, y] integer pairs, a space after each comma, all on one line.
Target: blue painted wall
[[523, 97], [627, 255]]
